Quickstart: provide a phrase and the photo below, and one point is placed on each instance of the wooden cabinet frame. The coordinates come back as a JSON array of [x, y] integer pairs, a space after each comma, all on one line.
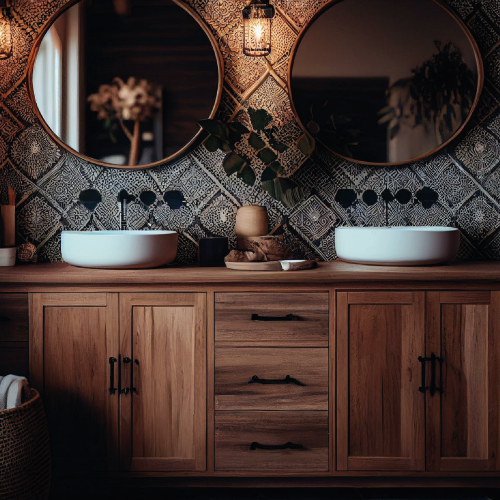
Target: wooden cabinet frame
[[411, 308], [472, 319], [131, 375], [40, 303]]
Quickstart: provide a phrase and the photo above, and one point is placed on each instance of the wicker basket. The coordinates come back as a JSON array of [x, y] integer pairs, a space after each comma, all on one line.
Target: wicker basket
[[24, 452]]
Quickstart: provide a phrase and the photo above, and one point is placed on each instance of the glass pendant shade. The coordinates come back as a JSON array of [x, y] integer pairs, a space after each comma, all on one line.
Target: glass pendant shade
[[5, 33], [257, 19]]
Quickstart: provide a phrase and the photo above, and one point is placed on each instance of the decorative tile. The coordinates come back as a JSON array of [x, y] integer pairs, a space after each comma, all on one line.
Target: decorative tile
[[478, 218], [219, 216], [492, 67], [35, 152], [479, 152], [10, 176], [20, 104], [64, 184], [9, 125], [485, 36], [462, 7], [36, 219], [313, 219]]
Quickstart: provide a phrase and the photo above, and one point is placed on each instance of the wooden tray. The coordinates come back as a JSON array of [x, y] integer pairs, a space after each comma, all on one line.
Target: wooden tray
[[254, 266]]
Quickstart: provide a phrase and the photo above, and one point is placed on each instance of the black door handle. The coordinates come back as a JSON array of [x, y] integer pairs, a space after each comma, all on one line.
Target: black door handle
[[288, 317], [423, 387], [433, 388], [112, 388], [286, 380], [128, 390], [286, 446]]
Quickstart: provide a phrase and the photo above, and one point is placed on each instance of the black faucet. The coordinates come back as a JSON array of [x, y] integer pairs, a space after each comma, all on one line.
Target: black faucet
[[123, 200]]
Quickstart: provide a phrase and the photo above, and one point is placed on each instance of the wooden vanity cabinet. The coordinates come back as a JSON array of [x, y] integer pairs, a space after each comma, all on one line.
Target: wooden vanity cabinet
[[463, 380], [163, 382], [73, 363], [328, 382], [123, 378], [380, 410]]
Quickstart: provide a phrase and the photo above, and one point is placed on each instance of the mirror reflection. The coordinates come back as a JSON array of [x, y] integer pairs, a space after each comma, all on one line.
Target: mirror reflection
[[123, 82], [385, 81]]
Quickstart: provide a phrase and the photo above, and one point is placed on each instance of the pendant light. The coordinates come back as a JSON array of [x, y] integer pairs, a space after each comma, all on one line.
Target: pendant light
[[257, 20]]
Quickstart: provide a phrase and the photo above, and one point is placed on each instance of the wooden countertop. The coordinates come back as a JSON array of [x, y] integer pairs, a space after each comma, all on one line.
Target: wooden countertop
[[326, 273]]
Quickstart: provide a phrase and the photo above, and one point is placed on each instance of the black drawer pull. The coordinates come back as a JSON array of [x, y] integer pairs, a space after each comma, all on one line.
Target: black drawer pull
[[288, 317], [286, 446], [286, 380], [112, 388]]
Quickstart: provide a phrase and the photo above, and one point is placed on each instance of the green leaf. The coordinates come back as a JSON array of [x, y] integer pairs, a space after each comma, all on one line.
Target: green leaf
[[306, 144], [267, 156], [260, 118], [278, 146], [284, 190], [225, 146], [238, 127], [268, 175], [247, 175], [233, 163], [214, 127], [276, 167], [256, 142], [212, 143]]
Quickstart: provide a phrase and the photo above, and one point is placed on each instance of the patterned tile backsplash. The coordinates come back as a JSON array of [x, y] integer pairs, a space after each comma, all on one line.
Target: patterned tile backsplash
[[56, 190]]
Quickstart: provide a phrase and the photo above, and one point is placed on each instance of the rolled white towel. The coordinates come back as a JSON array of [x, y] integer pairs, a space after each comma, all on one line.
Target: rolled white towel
[[11, 391]]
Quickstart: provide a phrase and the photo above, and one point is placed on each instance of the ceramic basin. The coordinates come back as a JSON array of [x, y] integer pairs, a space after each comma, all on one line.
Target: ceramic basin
[[119, 249], [397, 246]]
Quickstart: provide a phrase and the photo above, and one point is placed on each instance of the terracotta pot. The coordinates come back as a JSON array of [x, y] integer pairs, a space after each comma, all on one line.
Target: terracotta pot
[[251, 221]]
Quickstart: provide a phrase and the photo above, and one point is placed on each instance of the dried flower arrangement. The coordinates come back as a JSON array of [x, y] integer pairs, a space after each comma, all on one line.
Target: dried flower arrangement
[[135, 101]]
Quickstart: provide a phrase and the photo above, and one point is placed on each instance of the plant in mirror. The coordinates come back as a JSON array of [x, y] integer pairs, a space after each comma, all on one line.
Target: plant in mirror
[[402, 87], [123, 82]]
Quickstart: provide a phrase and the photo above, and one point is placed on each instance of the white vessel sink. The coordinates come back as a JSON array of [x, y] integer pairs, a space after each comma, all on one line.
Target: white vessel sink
[[397, 246], [119, 249]]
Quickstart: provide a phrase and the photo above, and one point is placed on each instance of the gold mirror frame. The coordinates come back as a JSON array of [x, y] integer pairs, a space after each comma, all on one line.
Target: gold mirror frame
[[193, 142], [480, 82]]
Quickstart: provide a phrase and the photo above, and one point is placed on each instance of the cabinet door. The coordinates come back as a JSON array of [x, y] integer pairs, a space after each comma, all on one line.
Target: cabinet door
[[74, 340], [163, 417], [380, 409], [463, 329]]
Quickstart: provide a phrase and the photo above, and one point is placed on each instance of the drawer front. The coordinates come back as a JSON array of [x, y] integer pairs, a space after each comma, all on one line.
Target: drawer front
[[286, 318], [271, 441], [271, 378]]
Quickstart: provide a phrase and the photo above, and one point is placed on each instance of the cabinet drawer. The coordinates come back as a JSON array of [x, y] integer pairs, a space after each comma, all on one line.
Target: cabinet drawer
[[267, 318], [271, 441], [256, 378]]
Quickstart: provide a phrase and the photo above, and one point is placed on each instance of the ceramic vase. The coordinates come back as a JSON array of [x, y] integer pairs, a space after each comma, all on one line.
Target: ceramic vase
[[251, 221]]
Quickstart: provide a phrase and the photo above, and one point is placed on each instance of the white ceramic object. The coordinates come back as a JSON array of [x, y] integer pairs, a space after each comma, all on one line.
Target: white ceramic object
[[8, 257], [119, 249], [397, 246]]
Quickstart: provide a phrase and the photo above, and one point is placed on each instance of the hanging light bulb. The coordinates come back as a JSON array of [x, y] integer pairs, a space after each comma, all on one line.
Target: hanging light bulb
[[5, 30], [257, 19]]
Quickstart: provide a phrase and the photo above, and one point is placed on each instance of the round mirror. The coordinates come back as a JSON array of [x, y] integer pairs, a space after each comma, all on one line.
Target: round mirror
[[385, 82], [123, 83]]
